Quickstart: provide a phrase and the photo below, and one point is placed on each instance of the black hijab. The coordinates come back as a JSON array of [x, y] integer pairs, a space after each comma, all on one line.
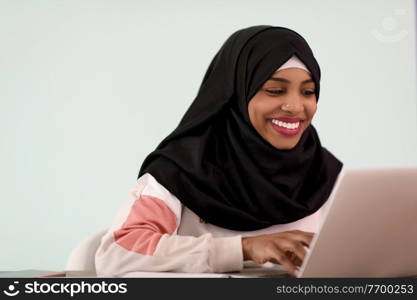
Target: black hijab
[[217, 164]]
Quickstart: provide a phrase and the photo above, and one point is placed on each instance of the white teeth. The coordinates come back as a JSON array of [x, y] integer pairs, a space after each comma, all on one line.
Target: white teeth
[[286, 125]]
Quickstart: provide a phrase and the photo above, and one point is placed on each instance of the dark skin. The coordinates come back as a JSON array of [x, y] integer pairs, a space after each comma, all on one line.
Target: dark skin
[[284, 248], [288, 93], [296, 89]]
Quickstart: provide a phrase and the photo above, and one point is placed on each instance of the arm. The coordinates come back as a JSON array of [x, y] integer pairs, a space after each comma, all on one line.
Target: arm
[[144, 237]]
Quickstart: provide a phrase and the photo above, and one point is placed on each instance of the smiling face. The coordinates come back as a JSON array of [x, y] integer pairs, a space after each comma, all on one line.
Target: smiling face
[[284, 107]]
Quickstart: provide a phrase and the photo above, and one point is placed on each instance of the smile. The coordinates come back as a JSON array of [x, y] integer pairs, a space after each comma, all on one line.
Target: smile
[[286, 125], [287, 129]]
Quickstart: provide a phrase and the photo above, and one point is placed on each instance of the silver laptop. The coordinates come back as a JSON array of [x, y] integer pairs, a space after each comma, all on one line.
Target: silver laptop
[[370, 229]]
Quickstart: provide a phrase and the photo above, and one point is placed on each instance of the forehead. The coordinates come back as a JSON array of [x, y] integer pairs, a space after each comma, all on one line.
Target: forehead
[[291, 75]]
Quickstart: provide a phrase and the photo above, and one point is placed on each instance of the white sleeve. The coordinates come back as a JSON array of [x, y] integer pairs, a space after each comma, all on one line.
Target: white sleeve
[[143, 237]]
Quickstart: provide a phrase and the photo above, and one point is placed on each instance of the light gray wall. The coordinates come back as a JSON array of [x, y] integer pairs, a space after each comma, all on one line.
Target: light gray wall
[[88, 88]]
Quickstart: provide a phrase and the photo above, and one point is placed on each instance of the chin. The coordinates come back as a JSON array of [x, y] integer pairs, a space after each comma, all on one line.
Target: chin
[[283, 146]]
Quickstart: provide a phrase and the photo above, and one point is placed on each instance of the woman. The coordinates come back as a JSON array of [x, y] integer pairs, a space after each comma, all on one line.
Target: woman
[[242, 177]]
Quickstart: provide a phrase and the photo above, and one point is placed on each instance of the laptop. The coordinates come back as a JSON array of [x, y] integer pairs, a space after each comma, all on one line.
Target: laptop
[[369, 230]]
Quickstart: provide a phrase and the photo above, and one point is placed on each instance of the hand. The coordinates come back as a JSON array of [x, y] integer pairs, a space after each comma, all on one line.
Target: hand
[[285, 248]]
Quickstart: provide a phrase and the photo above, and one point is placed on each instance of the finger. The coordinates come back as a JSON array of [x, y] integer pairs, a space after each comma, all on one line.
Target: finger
[[294, 259], [293, 246], [298, 250], [306, 241], [297, 262], [304, 237], [280, 258], [288, 265]]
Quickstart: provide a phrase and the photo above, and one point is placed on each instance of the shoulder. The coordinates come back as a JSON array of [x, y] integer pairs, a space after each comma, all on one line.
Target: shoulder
[[148, 186]]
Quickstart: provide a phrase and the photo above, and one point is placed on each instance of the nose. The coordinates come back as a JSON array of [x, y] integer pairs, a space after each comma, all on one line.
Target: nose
[[292, 105]]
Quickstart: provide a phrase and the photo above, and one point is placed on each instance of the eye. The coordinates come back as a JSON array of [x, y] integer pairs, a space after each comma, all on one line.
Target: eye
[[274, 92], [308, 92]]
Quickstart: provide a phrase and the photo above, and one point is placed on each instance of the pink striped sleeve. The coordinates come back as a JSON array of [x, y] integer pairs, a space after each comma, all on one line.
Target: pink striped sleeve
[[148, 219]]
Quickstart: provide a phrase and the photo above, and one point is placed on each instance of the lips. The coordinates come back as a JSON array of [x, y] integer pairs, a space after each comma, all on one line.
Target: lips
[[287, 128]]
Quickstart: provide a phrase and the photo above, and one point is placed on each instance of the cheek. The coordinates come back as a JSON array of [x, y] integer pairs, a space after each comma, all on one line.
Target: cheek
[[311, 109], [251, 111], [257, 107], [253, 115]]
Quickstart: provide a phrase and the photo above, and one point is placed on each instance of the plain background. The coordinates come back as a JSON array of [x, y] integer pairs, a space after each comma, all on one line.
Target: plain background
[[89, 88]]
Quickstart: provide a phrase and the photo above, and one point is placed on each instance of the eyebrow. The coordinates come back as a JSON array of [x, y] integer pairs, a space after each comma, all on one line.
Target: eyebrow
[[287, 81]]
